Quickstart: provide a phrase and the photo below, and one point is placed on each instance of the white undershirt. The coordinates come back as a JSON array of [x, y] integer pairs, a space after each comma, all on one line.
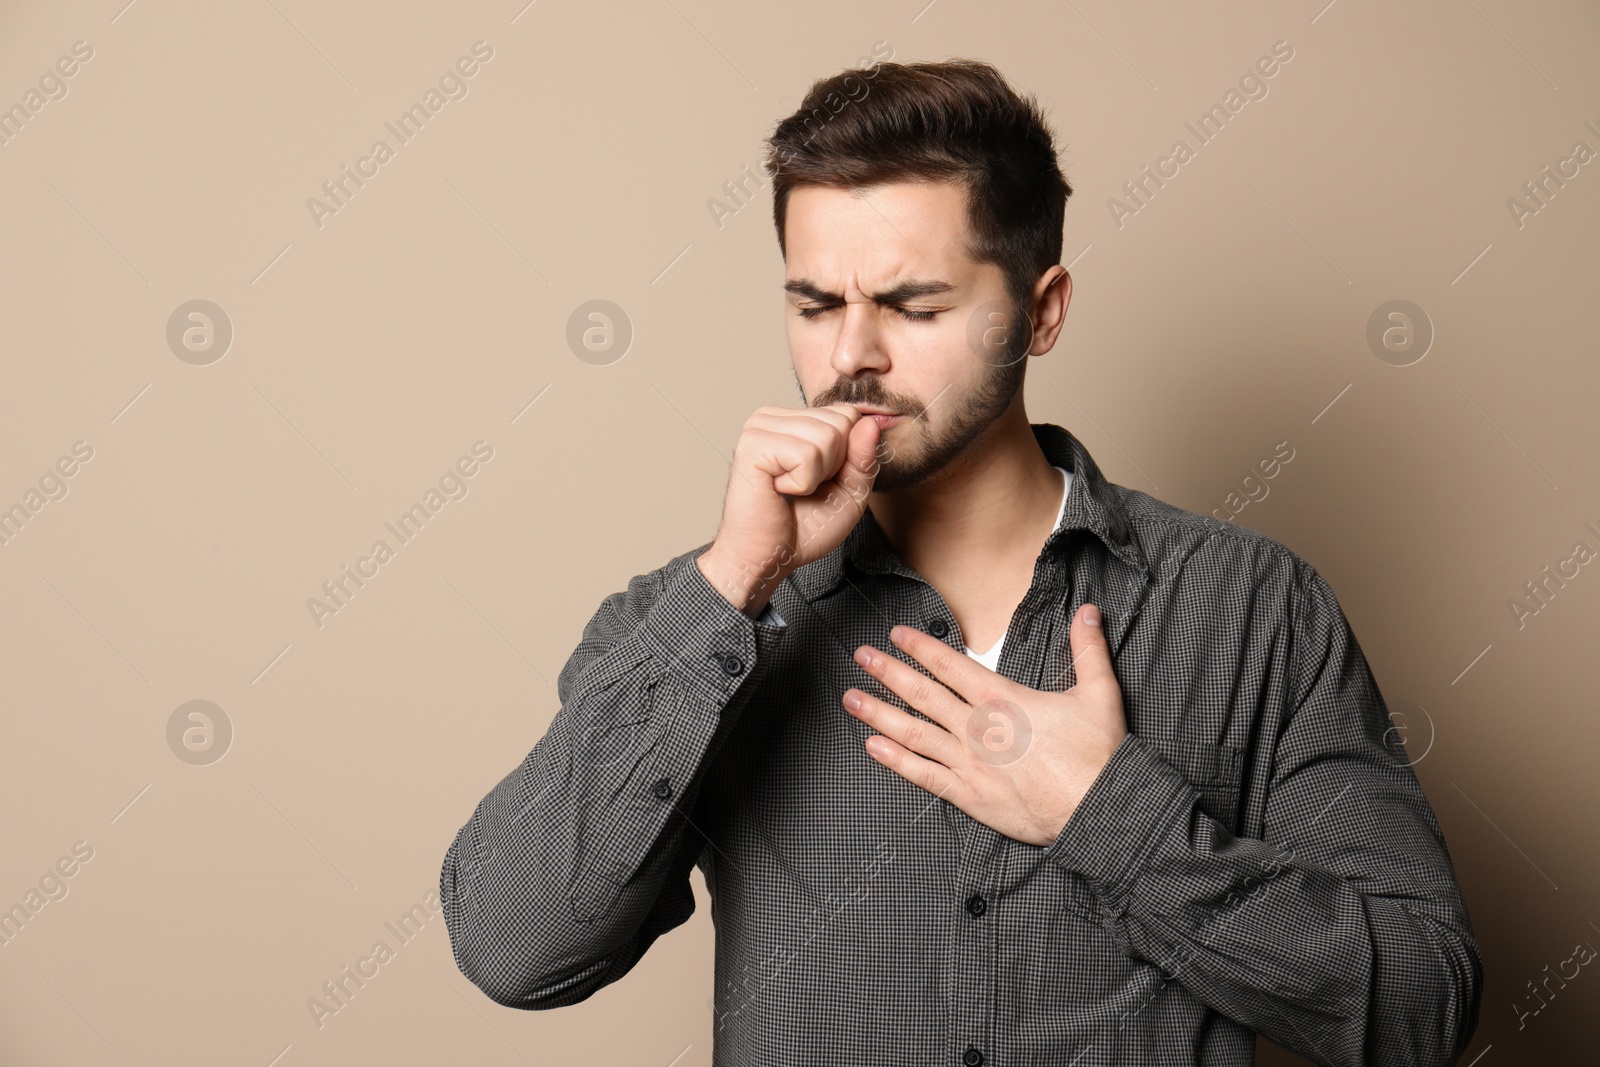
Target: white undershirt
[[992, 657]]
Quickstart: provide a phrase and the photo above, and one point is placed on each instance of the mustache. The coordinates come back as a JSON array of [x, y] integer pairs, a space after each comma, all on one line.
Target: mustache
[[871, 395]]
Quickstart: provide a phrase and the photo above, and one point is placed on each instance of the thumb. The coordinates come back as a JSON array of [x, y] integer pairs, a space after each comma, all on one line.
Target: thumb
[[861, 465], [1091, 656]]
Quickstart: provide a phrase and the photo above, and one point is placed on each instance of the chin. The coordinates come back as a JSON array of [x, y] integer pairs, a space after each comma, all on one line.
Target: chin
[[900, 475]]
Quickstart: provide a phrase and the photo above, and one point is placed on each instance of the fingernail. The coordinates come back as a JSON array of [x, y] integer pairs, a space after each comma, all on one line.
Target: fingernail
[[1091, 616], [852, 700], [864, 656]]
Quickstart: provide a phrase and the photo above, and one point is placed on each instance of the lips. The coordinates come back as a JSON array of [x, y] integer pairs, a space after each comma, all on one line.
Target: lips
[[884, 421], [884, 417]]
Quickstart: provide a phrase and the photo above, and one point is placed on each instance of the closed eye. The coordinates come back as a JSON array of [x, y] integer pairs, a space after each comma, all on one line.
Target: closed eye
[[908, 313]]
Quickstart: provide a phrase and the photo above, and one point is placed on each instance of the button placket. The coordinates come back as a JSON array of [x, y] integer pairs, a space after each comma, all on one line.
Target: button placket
[[974, 960]]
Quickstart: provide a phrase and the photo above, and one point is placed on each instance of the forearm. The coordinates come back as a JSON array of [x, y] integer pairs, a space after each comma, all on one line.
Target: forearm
[[579, 857], [1343, 970]]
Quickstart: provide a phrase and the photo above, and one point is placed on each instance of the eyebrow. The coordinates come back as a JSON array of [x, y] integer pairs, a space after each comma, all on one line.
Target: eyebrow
[[907, 290]]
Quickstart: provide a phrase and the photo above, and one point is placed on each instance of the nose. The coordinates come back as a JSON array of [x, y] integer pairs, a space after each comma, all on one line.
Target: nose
[[859, 345]]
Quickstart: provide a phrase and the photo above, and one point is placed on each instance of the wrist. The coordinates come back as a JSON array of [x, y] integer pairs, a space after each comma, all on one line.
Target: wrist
[[746, 587]]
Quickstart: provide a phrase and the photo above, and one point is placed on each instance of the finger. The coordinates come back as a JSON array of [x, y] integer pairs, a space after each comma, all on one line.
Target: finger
[[806, 447], [818, 424], [920, 736], [971, 679], [797, 464], [1091, 657], [914, 687], [861, 464], [936, 778], [850, 412]]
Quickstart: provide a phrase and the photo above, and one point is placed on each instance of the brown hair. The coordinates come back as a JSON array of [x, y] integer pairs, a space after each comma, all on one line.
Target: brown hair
[[955, 121]]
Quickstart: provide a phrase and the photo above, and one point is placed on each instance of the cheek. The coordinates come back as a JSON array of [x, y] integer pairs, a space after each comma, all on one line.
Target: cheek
[[956, 364], [934, 353], [810, 347], [808, 363]]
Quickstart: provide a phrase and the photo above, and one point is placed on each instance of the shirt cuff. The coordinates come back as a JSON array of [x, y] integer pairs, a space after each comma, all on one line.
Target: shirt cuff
[[704, 638], [1126, 811]]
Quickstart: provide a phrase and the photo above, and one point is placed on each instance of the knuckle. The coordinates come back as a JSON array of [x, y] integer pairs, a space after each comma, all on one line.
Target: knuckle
[[915, 734], [750, 437], [920, 691]]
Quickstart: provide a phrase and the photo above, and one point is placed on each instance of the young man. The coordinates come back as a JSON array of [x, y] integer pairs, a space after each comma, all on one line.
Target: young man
[[1150, 810]]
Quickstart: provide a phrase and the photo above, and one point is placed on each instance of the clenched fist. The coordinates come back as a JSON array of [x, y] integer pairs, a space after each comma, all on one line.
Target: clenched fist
[[798, 485]]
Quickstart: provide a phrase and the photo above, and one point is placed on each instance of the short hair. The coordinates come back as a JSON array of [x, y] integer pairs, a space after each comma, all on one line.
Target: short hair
[[953, 121]]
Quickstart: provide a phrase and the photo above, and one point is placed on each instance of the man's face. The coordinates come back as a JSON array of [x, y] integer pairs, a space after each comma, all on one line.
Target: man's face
[[939, 345]]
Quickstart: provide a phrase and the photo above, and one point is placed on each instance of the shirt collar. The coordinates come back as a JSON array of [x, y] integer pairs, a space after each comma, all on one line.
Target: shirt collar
[[1093, 504]]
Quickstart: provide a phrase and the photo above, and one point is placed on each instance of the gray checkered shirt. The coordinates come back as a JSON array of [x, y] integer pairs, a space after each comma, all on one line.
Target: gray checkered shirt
[[1256, 855]]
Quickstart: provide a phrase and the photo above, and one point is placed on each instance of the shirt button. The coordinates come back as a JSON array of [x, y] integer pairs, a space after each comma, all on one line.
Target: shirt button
[[977, 906], [972, 1057], [938, 628], [732, 664], [663, 789]]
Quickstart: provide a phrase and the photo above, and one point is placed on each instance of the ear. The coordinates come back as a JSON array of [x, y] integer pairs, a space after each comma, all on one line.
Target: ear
[[1051, 295]]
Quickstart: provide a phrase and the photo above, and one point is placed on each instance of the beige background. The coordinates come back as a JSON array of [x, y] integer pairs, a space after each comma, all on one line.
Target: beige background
[[1228, 314]]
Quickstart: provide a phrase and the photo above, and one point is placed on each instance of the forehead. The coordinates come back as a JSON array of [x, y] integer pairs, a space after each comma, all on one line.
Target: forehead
[[878, 232]]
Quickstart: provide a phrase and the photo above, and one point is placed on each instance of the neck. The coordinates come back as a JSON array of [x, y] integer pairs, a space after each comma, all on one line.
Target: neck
[[995, 501]]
